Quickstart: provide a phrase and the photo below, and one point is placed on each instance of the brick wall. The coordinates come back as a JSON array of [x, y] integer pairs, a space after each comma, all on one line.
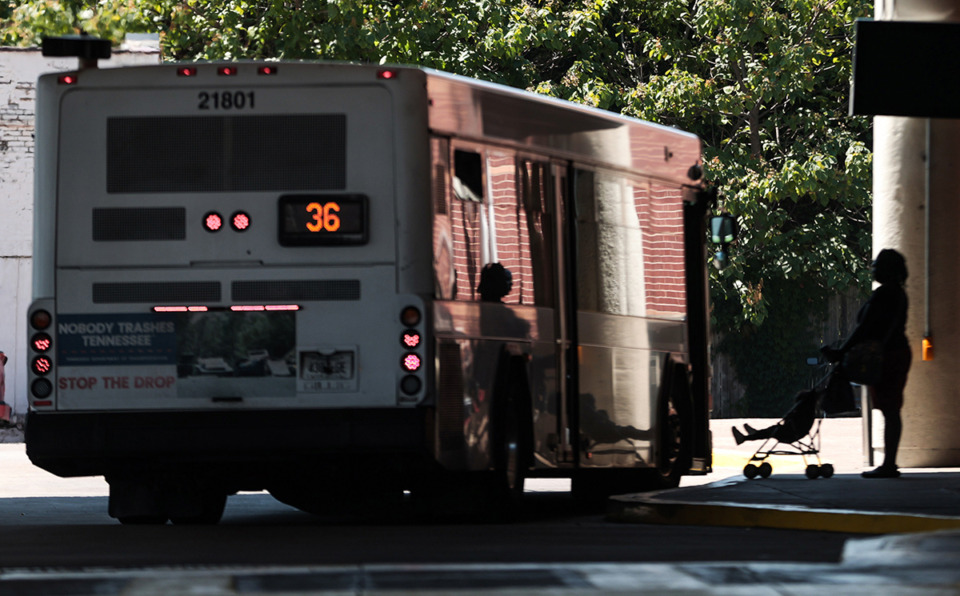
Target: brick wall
[[19, 69]]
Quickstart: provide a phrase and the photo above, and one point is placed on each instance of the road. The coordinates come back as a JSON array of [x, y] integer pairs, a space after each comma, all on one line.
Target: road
[[47, 521]]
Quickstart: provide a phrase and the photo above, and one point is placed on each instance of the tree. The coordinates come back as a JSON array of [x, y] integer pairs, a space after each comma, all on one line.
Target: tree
[[765, 85], [762, 82]]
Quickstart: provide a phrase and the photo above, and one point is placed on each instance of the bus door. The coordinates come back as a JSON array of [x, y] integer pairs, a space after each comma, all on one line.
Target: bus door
[[626, 312], [543, 186]]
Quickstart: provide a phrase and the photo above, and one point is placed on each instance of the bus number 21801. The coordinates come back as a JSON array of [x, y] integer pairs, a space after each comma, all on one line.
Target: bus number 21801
[[225, 100]]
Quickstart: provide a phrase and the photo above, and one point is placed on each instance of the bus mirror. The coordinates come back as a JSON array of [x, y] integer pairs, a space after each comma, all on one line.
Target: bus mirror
[[723, 232], [723, 229]]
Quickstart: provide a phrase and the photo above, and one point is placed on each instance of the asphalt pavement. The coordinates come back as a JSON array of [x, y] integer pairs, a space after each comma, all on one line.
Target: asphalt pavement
[[910, 543]]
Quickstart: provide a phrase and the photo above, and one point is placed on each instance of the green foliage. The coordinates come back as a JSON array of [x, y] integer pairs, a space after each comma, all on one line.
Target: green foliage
[[764, 83]]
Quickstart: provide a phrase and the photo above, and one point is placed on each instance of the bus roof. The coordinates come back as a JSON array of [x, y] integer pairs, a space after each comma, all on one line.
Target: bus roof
[[466, 108], [470, 108]]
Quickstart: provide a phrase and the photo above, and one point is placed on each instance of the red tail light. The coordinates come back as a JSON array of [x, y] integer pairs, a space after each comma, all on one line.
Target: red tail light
[[40, 319], [212, 221], [410, 339], [41, 365], [411, 362], [41, 342], [240, 221]]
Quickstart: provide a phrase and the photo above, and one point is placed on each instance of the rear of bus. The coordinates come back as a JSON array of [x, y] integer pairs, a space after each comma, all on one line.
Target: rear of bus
[[221, 287]]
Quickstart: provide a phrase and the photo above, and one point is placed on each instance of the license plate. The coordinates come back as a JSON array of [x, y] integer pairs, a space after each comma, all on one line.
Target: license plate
[[337, 366]]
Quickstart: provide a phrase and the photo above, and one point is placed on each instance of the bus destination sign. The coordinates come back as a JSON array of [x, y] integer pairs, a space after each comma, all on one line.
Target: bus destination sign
[[323, 220]]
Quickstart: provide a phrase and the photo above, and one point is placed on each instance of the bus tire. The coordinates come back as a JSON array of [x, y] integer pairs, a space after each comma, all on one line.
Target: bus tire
[[512, 444], [211, 505], [675, 412]]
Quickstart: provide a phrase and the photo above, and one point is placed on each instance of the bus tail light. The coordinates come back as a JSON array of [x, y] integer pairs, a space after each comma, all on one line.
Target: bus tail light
[[410, 316], [41, 389], [240, 221], [67, 79], [40, 320], [180, 308], [387, 73], [410, 339], [41, 366], [41, 342], [267, 70], [411, 384], [410, 381], [212, 221], [41, 363], [227, 71], [187, 71], [411, 362]]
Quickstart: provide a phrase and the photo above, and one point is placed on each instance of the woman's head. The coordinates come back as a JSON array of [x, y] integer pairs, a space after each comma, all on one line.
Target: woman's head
[[890, 267], [496, 281]]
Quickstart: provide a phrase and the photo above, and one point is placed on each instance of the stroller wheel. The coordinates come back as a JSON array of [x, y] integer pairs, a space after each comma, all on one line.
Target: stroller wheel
[[765, 470], [750, 471], [812, 471], [826, 470]]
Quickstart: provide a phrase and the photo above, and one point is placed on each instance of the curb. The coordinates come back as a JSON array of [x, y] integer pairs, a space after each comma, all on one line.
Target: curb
[[641, 509]]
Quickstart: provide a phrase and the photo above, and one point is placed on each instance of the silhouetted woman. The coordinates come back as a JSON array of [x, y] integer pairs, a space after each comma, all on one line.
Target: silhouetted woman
[[883, 319]]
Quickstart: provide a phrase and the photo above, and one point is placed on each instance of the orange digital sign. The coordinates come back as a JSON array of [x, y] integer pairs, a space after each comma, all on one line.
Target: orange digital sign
[[320, 220]]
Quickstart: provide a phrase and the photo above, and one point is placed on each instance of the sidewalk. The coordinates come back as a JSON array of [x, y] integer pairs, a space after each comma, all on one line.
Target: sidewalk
[[919, 501]]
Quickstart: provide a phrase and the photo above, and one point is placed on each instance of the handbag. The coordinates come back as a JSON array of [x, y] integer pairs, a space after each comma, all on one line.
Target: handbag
[[863, 363], [838, 397]]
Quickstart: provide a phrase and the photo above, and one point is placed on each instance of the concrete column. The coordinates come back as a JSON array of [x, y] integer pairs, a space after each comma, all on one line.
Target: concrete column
[[916, 210]]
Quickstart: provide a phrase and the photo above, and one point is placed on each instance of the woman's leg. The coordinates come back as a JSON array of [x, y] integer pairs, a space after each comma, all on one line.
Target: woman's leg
[[892, 428]]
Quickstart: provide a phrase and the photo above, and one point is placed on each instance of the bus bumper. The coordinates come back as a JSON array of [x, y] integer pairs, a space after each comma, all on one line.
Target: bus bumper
[[94, 444]]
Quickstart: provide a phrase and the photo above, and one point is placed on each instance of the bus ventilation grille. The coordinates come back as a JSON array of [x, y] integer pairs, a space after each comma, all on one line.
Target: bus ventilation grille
[[295, 290], [180, 292]]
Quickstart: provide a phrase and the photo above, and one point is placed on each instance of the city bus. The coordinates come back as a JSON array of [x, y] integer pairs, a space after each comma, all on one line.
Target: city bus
[[342, 282]]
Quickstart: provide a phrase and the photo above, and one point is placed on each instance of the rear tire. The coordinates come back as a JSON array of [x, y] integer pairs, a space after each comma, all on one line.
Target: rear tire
[[212, 505], [512, 434], [674, 453]]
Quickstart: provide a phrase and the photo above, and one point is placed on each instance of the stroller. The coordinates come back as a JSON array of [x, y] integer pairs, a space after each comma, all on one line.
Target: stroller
[[798, 432]]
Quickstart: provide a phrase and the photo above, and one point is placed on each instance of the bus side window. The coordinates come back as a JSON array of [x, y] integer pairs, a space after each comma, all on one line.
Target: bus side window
[[444, 272], [610, 243], [465, 225], [468, 176], [506, 226], [664, 264], [536, 189]]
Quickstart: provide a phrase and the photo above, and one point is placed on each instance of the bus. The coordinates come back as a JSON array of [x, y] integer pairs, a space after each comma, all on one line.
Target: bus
[[339, 282]]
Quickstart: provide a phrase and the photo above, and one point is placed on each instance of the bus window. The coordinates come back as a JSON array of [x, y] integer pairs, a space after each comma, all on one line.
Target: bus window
[[465, 223], [536, 188], [508, 237], [609, 244], [467, 176], [444, 273], [661, 215]]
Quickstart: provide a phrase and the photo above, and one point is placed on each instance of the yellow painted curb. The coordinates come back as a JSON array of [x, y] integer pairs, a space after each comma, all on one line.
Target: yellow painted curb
[[654, 511]]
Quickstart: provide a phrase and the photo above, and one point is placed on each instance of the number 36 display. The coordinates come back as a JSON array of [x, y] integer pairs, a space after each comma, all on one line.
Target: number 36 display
[[319, 220]]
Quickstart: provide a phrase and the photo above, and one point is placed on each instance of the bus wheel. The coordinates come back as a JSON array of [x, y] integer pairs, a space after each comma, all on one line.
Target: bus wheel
[[513, 436], [512, 467], [676, 429], [209, 510]]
